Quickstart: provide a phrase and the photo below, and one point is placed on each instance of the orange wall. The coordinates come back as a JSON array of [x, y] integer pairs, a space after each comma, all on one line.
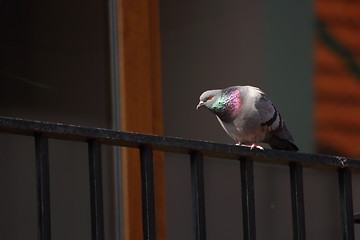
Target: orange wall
[[337, 77]]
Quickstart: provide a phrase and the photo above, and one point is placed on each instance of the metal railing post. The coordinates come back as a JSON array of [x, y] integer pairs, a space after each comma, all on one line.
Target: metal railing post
[[346, 204], [43, 186], [96, 192], [297, 201], [198, 195], [248, 198], [148, 198]]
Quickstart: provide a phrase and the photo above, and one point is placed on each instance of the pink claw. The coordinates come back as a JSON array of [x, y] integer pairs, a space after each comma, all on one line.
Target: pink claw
[[254, 145]]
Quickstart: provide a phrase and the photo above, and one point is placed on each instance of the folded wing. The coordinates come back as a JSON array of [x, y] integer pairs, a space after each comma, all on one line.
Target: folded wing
[[277, 134]]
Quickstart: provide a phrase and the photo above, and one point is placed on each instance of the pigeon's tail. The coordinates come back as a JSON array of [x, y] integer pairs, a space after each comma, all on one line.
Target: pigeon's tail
[[277, 142]]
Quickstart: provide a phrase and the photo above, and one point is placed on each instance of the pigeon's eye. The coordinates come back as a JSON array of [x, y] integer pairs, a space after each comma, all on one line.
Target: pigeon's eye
[[209, 98]]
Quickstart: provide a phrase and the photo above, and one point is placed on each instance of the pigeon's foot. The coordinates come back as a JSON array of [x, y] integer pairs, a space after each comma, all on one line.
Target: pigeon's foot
[[238, 144], [252, 146], [256, 146]]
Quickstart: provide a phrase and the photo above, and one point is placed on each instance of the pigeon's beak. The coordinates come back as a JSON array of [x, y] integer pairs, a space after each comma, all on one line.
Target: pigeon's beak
[[199, 105]]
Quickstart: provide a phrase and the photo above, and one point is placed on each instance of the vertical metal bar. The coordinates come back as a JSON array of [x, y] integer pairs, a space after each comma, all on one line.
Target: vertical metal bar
[[297, 201], [148, 198], [346, 204], [118, 193], [198, 195], [248, 199], [115, 113], [43, 186], [96, 192]]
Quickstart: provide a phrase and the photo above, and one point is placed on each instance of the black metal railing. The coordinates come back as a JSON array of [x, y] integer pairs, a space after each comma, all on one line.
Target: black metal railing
[[196, 150]]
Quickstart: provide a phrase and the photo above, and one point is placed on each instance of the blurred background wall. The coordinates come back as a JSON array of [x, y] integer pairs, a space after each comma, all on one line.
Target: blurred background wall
[[54, 66], [279, 46], [337, 77]]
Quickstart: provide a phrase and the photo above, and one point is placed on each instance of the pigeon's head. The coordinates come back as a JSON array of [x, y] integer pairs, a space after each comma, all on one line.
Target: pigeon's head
[[225, 103], [208, 98]]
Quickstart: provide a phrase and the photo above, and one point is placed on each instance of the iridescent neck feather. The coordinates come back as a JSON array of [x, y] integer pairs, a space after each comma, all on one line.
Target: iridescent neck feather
[[227, 105]]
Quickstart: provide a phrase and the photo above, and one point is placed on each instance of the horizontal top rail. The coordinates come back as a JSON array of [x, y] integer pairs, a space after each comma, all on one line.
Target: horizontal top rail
[[172, 144]]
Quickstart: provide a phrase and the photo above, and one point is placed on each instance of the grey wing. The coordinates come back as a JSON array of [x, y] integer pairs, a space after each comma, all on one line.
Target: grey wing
[[271, 119], [278, 135]]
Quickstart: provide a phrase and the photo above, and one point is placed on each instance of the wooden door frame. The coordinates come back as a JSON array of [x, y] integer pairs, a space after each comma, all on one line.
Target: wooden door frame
[[140, 106]]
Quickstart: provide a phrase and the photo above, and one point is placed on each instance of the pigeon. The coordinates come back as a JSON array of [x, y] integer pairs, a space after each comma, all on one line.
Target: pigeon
[[248, 116]]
